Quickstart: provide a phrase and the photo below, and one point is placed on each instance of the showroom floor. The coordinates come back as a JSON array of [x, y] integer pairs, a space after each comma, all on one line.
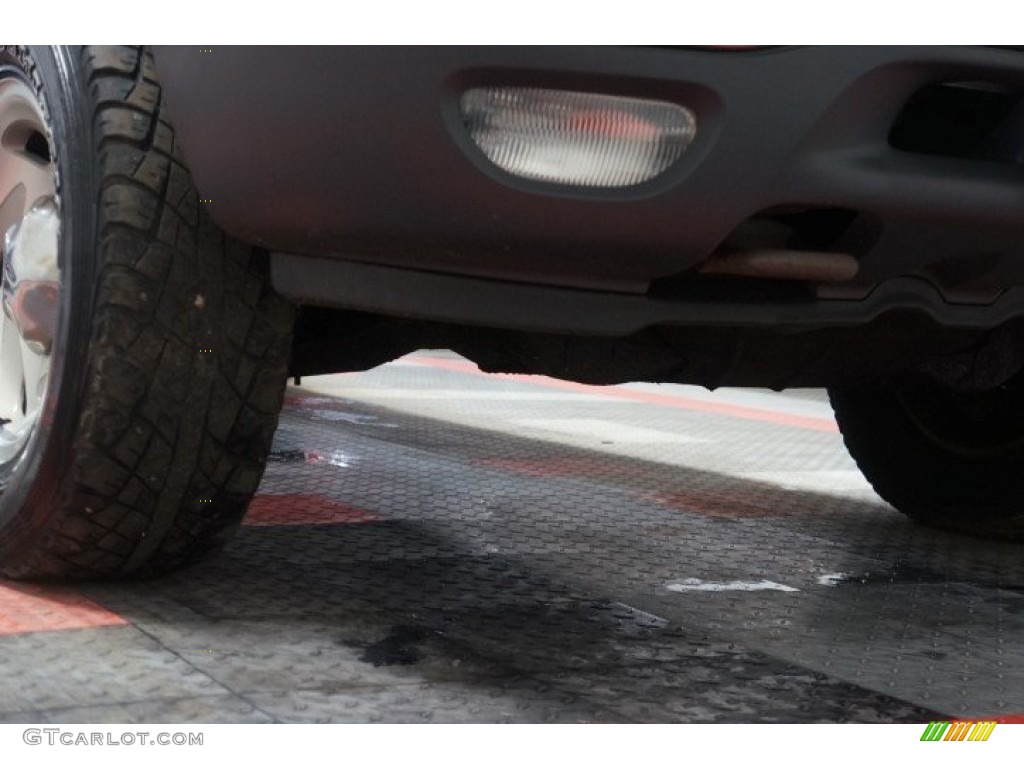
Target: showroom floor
[[435, 545]]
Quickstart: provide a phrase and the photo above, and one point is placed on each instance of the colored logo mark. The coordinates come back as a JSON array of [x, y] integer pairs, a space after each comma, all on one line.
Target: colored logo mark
[[959, 730]]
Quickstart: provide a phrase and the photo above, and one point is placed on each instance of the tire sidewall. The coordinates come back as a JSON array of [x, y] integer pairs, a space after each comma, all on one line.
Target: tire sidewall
[[918, 476]]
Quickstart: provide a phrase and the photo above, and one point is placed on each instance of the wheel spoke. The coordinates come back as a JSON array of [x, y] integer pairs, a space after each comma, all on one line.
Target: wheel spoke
[[12, 195], [11, 372], [30, 274], [35, 175], [35, 368], [23, 181]]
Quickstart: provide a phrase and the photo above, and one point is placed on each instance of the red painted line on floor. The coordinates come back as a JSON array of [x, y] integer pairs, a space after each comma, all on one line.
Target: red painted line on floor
[[813, 423], [28, 608], [1003, 718], [302, 509]]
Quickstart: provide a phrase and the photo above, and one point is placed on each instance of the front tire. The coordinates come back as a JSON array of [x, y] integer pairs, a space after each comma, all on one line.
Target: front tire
[[954, 461], [169, 357]]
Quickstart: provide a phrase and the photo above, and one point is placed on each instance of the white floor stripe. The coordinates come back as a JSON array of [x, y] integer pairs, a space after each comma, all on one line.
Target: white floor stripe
[[778, 402], [698, 585]]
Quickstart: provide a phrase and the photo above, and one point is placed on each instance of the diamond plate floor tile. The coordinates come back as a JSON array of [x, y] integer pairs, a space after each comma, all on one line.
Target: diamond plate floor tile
[[198, 709], [91, 667], [482, 702], [432, 559]]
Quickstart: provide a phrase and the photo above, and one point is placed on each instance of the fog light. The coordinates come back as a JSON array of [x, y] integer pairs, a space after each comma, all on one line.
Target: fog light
[[581, 139]]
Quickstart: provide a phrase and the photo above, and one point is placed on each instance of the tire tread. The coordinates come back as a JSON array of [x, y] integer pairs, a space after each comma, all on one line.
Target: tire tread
[[172, 440]]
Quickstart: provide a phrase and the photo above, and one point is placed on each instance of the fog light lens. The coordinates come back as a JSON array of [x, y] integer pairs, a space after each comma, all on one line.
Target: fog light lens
[[581, 139]]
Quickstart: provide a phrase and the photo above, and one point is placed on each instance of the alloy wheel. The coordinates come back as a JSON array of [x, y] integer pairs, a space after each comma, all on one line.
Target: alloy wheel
[[30, 229]]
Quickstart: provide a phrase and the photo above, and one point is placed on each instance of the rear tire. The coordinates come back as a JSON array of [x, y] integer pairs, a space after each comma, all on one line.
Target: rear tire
[[949, 460], [171, 352]]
